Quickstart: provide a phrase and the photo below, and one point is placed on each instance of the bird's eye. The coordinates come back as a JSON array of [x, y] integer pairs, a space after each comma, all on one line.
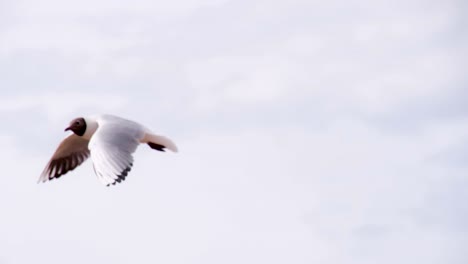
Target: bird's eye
[[77, 123]]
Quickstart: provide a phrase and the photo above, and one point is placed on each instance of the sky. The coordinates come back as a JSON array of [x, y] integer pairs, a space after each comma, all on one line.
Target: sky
[[332, 132]]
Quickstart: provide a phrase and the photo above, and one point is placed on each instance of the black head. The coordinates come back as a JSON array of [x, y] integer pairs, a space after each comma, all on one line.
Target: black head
[[78, 126]]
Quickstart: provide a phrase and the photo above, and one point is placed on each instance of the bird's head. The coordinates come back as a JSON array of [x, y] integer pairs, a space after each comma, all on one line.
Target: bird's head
[[78, 126]]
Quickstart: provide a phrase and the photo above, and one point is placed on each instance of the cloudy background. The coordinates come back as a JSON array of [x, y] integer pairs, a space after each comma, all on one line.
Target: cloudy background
[[331, 132]]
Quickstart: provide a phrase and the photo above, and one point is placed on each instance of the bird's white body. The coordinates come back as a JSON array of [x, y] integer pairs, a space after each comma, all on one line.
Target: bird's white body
[[110, 141]]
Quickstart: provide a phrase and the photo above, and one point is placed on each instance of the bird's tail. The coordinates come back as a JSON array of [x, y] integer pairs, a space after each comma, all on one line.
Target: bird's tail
[[159, 142]]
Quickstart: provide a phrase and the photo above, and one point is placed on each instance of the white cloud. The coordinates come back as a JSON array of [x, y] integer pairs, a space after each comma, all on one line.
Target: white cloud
[[335, 192], [160, 10], [76, 28], [68, 39], [237, 80], [60, 105], [369, 65]]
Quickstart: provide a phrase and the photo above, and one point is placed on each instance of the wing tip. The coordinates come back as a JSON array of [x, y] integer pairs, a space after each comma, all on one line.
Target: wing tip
[[121, 177]]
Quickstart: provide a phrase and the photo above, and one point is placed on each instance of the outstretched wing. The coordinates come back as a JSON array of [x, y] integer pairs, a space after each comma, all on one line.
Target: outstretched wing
[[112, 147], [71, 152]]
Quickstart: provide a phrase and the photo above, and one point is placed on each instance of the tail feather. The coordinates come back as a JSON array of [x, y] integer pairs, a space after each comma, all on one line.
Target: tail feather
[[159, 142]]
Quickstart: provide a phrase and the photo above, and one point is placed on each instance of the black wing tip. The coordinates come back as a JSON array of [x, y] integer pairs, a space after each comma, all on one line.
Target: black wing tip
[[59, 167], [122, 176]]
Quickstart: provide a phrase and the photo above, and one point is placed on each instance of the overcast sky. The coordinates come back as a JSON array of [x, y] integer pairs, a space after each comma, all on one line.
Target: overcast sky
[[332, 132]]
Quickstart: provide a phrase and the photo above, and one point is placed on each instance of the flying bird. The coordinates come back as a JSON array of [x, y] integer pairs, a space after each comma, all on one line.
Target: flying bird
[[109, 140]]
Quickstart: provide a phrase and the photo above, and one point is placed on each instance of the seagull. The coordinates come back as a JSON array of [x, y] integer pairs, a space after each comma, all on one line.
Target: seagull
[[109, 140]]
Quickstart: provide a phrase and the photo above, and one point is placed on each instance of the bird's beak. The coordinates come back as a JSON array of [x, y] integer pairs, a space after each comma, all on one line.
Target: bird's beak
[[68, 128]]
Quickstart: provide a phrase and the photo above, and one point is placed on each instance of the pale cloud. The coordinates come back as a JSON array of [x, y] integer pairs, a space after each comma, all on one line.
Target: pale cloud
[[369, 66], [237, 81], [67, 39], [76, 28], [158, 10], [58, 106]]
